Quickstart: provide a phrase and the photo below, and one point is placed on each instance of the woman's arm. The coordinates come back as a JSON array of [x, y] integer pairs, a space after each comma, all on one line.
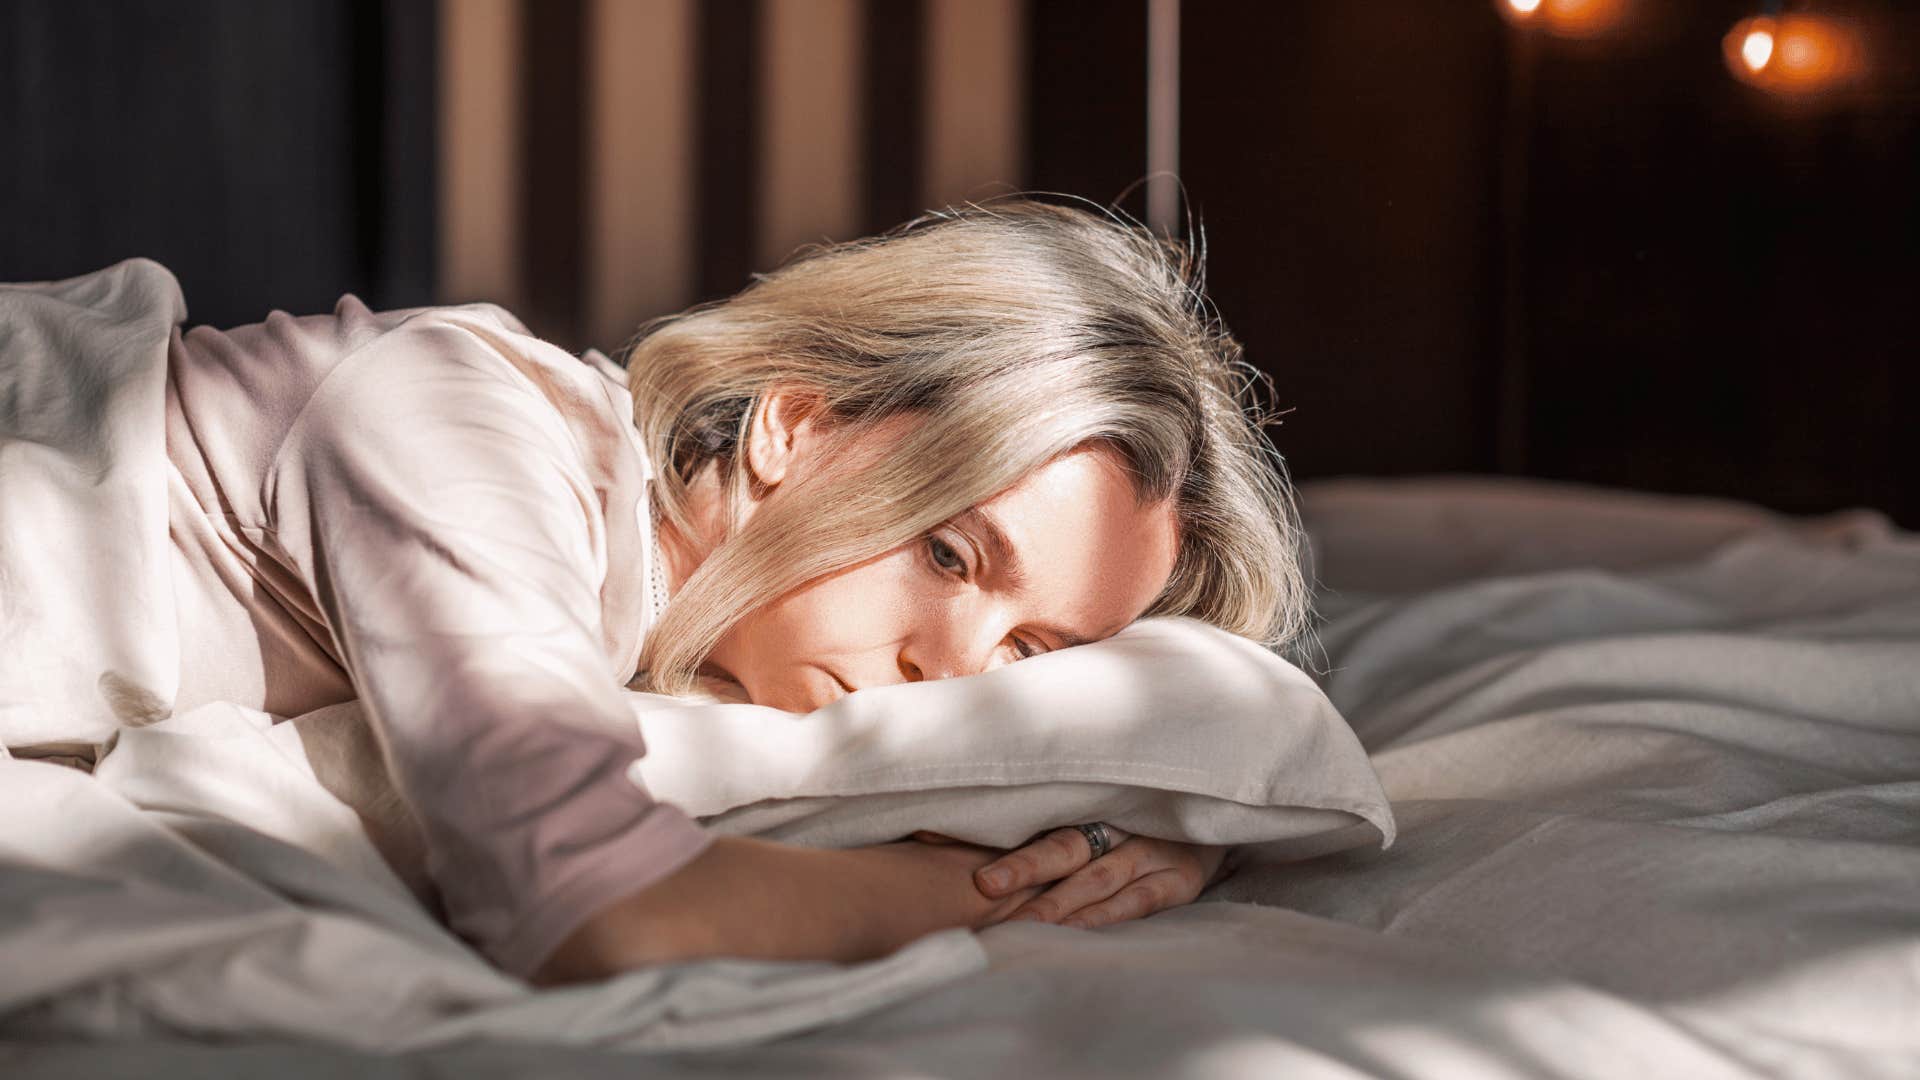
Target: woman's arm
[[752, 898], [439, 510], [431, 501]]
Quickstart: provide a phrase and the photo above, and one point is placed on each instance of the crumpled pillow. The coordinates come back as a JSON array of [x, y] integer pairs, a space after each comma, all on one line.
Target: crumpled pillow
[[1171, 728]]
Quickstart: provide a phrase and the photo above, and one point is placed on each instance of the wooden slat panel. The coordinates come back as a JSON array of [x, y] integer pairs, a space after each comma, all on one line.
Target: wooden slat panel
[[975, 107], [1163, 116], [726, 207], [895, 59], [479, 141], [553, 167], [1087, 79], [812, 123], [640, 200]]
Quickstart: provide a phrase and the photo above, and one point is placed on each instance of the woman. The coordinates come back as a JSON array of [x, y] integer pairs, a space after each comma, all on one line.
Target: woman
[[990, 433]]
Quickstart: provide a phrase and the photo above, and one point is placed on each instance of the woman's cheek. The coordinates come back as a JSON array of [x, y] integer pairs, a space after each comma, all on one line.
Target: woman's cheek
[[854, 623], [863, 608]]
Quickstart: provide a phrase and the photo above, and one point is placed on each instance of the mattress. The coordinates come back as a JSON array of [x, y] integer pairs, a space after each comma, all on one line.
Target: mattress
[[1656, 766]]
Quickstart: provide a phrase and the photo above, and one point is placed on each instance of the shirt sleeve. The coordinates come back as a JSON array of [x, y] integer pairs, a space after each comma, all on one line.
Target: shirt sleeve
[[436, 507]]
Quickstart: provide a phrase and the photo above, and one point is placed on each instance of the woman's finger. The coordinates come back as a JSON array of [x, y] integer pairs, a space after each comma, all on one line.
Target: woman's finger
[[1154, 892], [1049, 858], [1092, 883], [1007, 905]]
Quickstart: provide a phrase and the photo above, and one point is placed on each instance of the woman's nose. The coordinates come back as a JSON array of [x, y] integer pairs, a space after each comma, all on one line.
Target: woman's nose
[[943, 653], [926, 667]]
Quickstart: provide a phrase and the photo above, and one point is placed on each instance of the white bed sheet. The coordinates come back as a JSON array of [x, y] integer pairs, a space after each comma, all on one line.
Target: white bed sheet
[[1656, 763]]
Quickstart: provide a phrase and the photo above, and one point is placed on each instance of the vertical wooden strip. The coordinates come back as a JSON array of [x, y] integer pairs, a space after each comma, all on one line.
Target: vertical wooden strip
[[811, 123], [725, 206], [405, 267], [1163, 115], [552, 159], [895, 53], [641, 161], [1087, 73], [479, 149], [976, 93]]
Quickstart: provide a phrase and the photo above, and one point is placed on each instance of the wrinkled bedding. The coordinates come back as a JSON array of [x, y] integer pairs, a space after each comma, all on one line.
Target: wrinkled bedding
[[1655, 763]]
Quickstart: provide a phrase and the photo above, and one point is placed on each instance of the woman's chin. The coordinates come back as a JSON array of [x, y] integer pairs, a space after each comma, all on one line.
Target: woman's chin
[[807, 689], [788, 695], [802, 690]]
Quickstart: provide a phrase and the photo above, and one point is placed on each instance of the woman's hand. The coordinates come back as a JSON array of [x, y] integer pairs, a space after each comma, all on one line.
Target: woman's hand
[[1136, 877], [754, 899], [981, 909]]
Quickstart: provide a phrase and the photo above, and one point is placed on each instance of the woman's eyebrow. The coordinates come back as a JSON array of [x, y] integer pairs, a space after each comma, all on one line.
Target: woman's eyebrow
[[1006, 559]]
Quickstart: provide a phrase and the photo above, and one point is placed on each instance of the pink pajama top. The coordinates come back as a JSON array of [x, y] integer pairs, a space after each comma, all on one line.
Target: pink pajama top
[[446, 517]]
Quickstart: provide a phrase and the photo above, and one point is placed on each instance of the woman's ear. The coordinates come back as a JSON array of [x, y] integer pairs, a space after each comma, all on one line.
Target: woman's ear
[[784, 429]]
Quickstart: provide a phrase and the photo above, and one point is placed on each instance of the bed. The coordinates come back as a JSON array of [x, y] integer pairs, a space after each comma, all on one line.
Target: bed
[[1654, 760]]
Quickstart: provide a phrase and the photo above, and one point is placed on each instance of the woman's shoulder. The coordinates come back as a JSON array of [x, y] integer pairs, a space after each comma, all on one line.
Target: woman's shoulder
[[281, 364], [243, 393], [586, 385], [440, 396], [478, 312]]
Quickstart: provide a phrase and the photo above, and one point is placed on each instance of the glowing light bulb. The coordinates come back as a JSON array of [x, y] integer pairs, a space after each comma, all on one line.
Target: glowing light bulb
[[1757, 49], [1567, 18], [1797, 54]]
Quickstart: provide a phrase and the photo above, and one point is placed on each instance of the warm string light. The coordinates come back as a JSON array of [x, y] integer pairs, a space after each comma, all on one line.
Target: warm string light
[[1756, 46], [1568, 18], [1795, 54]]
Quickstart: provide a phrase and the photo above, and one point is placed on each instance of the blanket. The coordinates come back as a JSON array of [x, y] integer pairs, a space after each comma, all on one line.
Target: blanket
[[1657, 813], [1655, 764]]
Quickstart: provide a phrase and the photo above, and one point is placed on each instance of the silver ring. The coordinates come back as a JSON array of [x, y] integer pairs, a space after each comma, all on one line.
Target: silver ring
[[1099, 841]]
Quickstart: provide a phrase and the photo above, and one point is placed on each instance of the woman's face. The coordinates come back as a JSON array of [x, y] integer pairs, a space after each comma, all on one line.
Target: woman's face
[[1064, 557]]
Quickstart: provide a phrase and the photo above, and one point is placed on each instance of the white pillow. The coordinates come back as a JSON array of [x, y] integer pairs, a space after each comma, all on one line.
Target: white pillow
[[1170, 728]]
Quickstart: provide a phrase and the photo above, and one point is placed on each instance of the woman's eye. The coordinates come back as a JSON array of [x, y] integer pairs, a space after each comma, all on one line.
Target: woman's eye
[[1024, 648], [945, 557]]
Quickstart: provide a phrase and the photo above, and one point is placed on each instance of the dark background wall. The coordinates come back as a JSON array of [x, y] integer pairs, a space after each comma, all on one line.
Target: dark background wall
[[1455, 244], [1458, 245], [270, 154]]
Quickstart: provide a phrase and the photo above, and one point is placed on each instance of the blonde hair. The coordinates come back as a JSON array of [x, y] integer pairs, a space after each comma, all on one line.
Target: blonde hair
[[1013, 331]]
